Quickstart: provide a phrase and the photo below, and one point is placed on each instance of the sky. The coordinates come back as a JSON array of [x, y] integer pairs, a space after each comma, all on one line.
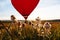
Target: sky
[[46, 10]]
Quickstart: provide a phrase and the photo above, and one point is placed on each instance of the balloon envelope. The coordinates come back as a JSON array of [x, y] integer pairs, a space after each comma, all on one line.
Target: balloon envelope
[[25, 7]]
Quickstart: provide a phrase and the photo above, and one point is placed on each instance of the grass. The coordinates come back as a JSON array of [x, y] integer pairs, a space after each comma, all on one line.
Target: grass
[[28, 33]]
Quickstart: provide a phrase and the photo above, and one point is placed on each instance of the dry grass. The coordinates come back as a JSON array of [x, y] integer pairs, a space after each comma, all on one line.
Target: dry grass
[[28, 33]]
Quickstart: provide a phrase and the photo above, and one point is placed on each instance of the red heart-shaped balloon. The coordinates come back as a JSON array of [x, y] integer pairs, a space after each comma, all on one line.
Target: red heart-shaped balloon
[[25, 7]]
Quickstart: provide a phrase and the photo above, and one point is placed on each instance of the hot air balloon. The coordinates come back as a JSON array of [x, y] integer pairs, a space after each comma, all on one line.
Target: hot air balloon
[[24, 7]]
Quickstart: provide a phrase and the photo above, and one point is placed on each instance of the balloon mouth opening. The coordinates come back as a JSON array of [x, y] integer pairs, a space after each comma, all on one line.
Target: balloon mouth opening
[[25, 17]]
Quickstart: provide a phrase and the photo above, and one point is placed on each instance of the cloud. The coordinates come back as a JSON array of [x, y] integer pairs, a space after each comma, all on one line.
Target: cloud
[[4, 2], [4, 5], [52, 12], [46, 3]]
